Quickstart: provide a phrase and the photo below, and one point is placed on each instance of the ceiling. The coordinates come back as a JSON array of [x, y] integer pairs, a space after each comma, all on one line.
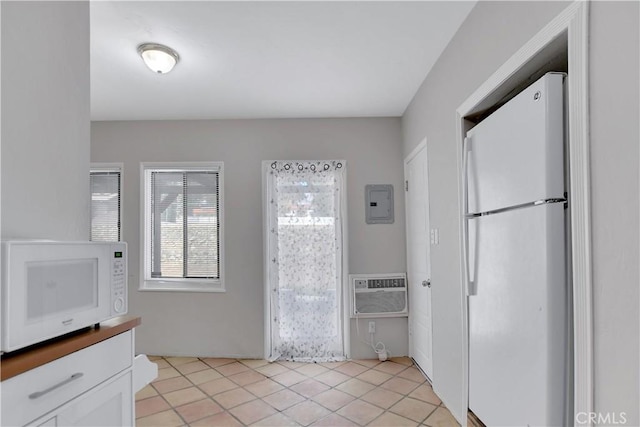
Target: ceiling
[[266, 59]]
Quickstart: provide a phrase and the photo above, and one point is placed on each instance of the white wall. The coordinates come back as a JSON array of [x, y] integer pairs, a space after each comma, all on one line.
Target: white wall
[[45, 120], [231, 324], [615, 110], [491, 34]]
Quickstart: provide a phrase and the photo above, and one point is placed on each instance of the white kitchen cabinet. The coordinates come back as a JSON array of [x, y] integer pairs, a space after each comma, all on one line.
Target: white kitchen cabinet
[[38, 391], [85, 380], [109, 404]]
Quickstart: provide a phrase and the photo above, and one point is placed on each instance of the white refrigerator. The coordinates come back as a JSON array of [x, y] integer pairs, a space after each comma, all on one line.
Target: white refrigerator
[[516, 261]]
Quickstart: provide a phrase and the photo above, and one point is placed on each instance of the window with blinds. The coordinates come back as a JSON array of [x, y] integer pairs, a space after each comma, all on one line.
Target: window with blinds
[[183, 227], [105, 204]]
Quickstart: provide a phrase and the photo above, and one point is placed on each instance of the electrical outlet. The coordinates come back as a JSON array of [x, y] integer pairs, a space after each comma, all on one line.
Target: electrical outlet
[[435, 236], [372, 327]]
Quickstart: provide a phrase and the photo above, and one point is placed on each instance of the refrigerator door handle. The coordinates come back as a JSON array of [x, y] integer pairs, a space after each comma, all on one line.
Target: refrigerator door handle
[[470, 288]]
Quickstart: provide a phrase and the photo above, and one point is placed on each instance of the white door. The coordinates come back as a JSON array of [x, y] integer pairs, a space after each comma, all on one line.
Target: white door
[[418, 259]]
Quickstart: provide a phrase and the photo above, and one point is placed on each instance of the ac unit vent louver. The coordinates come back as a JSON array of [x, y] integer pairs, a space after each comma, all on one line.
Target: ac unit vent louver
[[378, 295]]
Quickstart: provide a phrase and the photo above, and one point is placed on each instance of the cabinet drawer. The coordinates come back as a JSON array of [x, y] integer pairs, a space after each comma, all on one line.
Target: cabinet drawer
[[108, 404], [40, 390]]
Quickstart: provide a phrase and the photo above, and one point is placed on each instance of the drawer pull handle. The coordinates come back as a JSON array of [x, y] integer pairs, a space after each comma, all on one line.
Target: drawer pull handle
[[73, 377]]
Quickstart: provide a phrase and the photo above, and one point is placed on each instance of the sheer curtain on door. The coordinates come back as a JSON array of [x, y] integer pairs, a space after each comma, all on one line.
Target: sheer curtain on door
[[304, 220]]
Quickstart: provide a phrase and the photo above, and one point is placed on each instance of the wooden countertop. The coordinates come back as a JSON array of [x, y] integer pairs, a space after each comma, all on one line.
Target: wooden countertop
[[15, 363]]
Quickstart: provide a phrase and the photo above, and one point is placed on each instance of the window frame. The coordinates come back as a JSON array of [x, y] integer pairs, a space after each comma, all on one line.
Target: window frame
[[148, 283], [108, 167]]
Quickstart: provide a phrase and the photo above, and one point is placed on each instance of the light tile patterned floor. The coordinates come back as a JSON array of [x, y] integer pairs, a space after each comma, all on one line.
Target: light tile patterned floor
[[228, 392]]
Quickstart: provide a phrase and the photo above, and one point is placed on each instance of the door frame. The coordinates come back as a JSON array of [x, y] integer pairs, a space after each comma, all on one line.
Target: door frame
[[421, 146], [573, 21]]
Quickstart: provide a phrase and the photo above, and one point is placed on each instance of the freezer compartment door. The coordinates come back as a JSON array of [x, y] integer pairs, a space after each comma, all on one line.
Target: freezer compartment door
[[518, 318], [516, 154]]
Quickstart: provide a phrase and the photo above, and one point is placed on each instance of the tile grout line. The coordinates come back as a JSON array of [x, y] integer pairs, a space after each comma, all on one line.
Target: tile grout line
[[288, 387], [174, 408], [208, 397], [168, 403], [326, 369], [224, 410], [331, 388]]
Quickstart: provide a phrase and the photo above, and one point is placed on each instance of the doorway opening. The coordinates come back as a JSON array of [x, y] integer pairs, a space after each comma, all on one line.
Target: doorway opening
[[305, 250], [565, 36]]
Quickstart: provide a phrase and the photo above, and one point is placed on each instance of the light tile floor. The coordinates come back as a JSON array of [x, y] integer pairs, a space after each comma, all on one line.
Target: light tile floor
[[229, 392]]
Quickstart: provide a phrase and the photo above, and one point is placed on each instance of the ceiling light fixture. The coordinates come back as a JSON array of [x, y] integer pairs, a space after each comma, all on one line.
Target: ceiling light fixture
[[159, 58]]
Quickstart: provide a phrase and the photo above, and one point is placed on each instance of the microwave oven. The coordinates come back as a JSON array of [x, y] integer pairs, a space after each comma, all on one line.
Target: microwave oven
[[51, 288]]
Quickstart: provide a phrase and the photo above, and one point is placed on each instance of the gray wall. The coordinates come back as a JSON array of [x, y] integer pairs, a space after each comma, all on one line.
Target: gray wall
[[231, 323], [45, 120], [491, 34], [615, 92]]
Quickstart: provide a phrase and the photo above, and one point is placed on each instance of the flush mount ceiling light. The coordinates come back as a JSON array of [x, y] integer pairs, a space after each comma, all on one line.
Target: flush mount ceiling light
[[159, 58]]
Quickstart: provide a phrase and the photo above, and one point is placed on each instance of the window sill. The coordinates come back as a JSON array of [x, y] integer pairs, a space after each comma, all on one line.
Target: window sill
[[181, 286]]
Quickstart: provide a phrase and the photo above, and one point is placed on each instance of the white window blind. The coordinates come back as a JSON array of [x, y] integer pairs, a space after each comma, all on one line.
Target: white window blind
[[183, 228], [105, 205]]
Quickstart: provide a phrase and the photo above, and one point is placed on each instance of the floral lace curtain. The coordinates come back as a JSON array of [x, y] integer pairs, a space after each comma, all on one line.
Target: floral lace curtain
[[305, 259]]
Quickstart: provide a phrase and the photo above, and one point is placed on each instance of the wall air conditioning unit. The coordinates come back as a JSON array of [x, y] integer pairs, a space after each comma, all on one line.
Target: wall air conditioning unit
[[378, 295]]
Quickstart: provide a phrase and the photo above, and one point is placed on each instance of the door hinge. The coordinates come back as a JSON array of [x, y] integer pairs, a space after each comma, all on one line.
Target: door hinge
[[406, 185]]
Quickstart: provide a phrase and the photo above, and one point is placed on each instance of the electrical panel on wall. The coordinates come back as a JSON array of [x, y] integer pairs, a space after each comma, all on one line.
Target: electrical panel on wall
[[379, 204]]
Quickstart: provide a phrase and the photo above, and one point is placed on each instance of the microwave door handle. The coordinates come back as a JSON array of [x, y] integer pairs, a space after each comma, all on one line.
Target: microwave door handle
[[73, 377]]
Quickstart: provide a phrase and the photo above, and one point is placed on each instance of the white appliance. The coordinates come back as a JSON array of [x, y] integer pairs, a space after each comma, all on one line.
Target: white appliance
[[50, 288], [516, 258], [378, 295]]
